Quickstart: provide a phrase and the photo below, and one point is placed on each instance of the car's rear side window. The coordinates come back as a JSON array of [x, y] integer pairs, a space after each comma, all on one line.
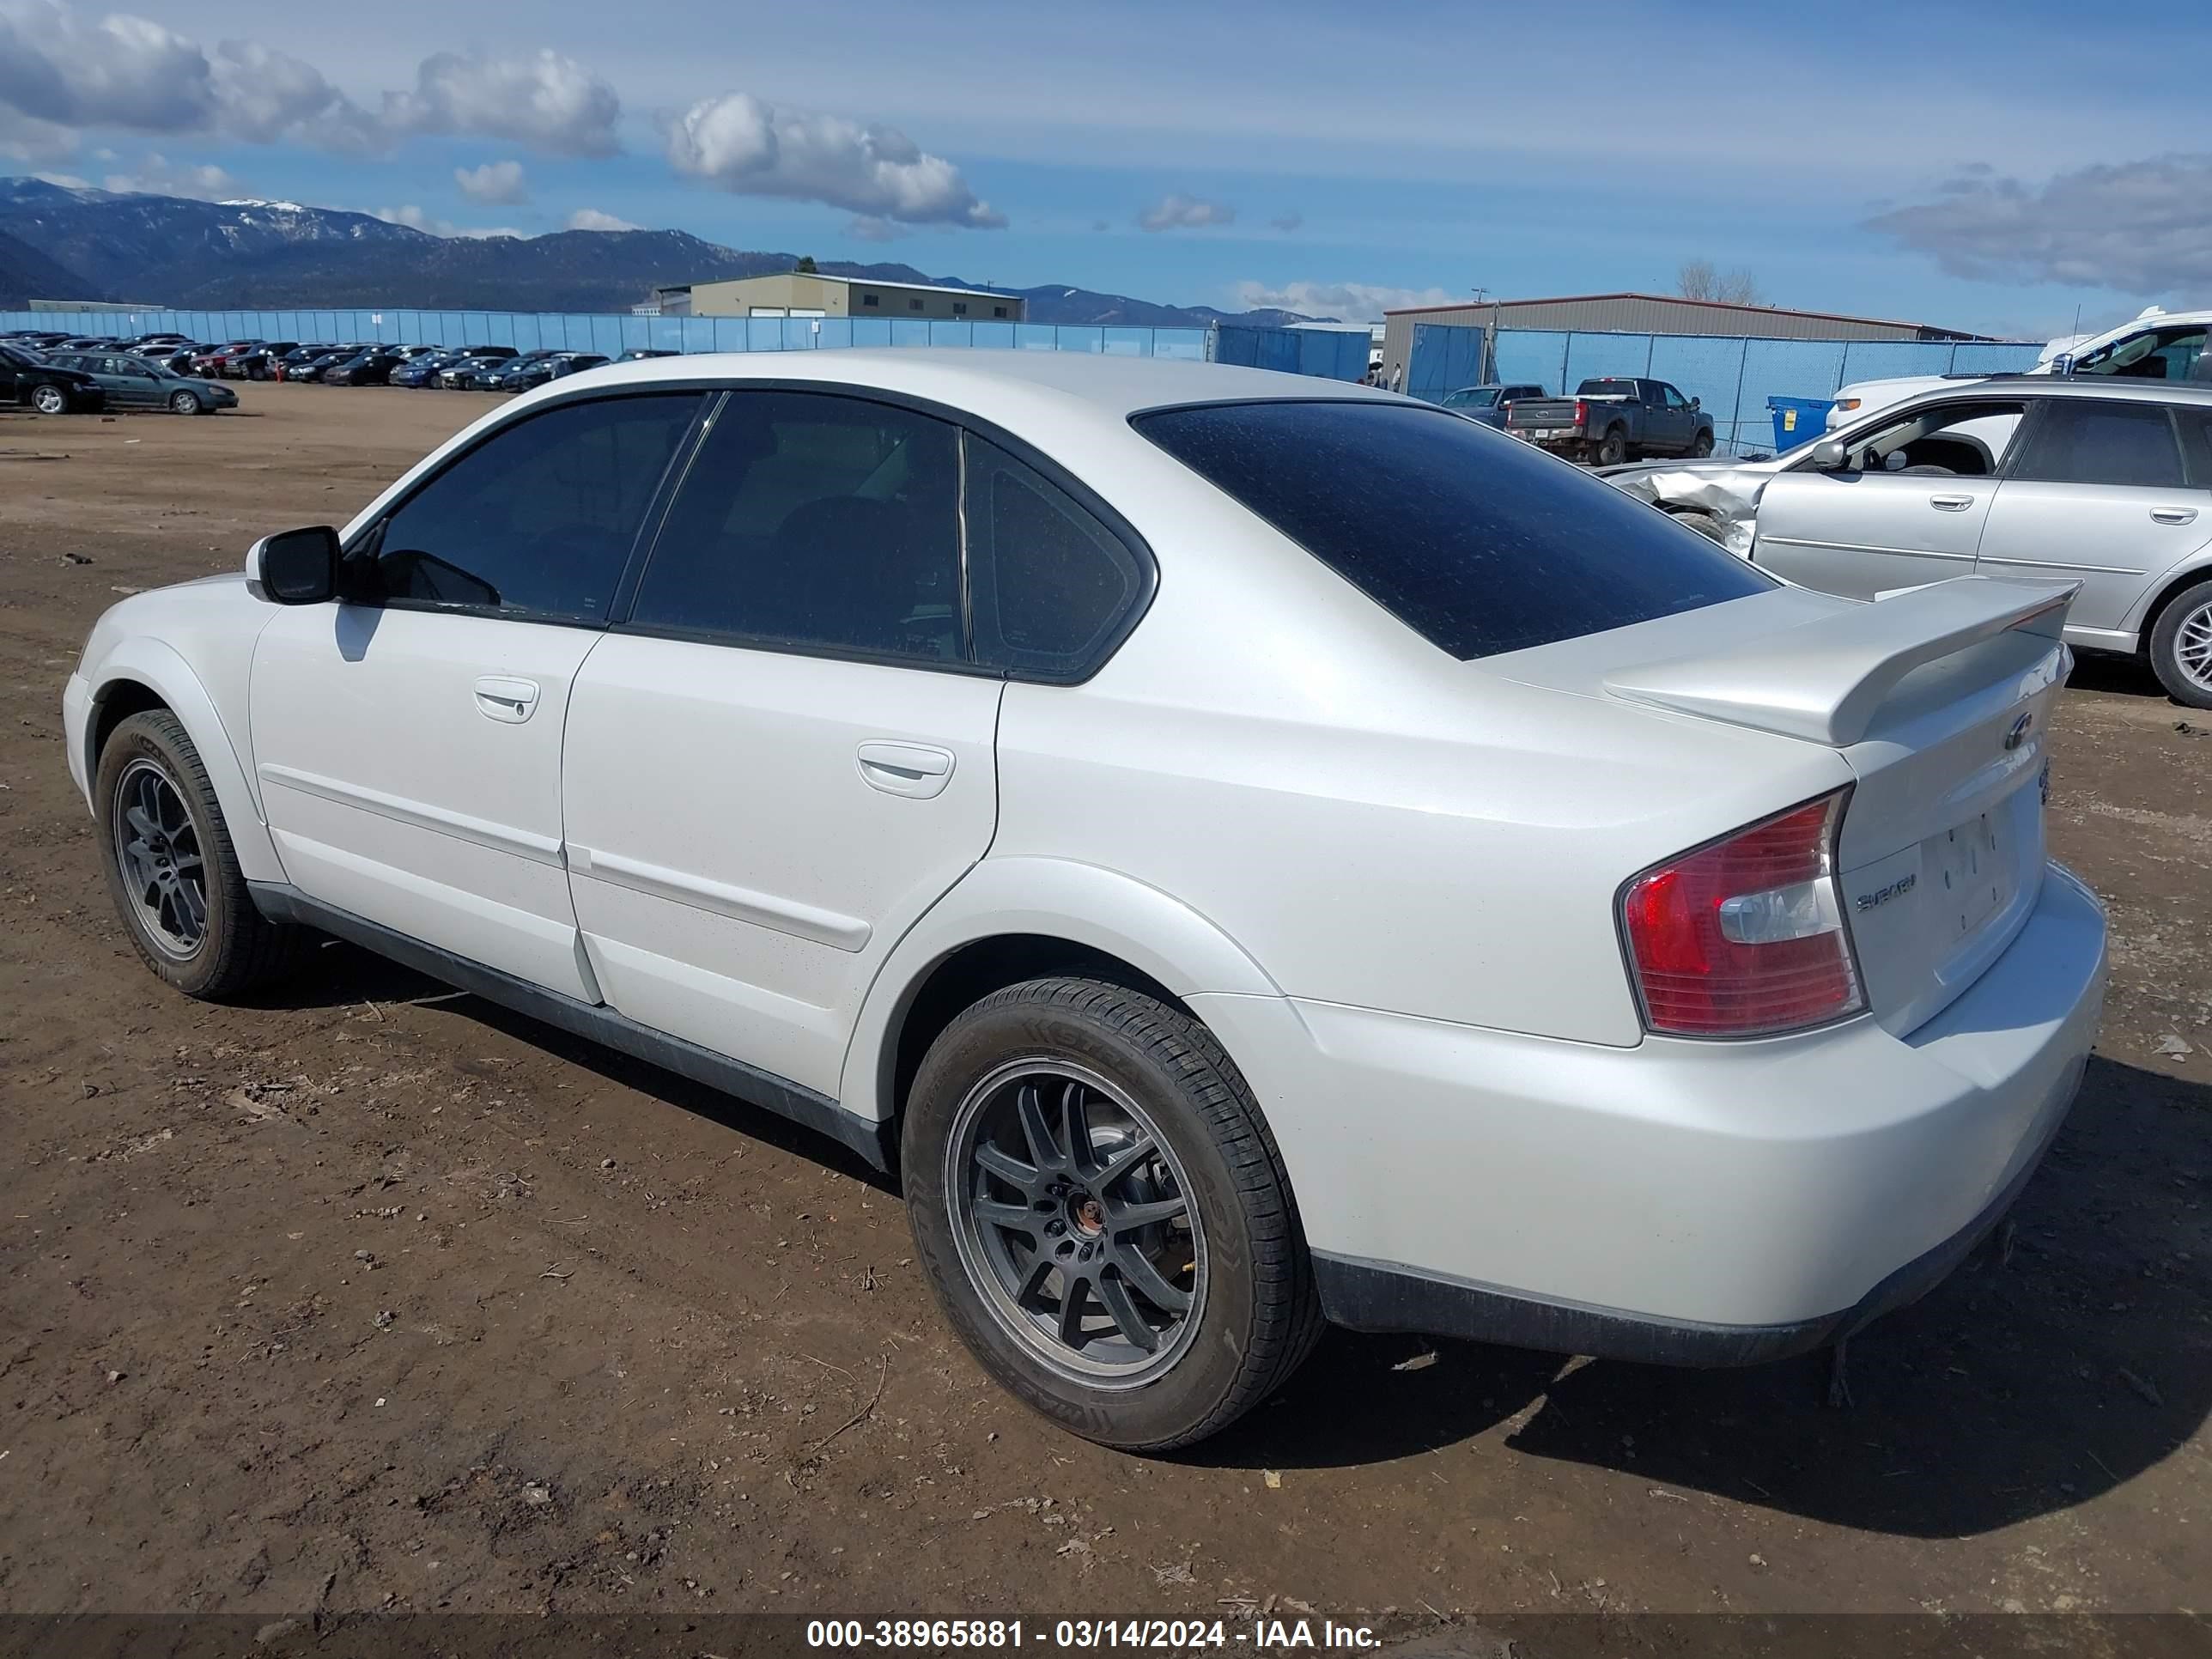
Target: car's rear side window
[[1475, 541]]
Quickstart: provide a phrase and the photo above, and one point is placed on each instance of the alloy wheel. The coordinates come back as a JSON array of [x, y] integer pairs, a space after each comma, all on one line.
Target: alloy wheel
[[49, 400], [157, 849], [2192, 646], [1075, 1222]]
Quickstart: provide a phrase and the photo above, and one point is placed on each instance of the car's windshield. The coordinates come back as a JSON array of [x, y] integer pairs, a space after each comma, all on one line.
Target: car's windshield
[[2174, 353], [1476, 541], [1473, 397]]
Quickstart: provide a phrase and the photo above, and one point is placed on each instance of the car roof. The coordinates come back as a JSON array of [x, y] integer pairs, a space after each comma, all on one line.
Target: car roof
[[2109, 387], [1001, 384]]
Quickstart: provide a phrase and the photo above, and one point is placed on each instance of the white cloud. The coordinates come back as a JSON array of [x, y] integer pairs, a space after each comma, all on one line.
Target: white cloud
[[63, 180], [1353, 302], [740, 143], [61, 73], [547, 101], [263, 96], [1177, 211], [495, 183], [867, 228], [2139, 227], [157, 176], [592, 219], [416, 219]]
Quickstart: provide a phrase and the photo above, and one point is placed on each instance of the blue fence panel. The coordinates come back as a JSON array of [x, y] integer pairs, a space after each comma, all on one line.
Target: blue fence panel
[[1781, 368], [909, 330], [1973, 357], [998, 336], [758, 334], [1882, 360], [698, 333], [1599, 356], [1532, 354], [870, 331], [1444, 357], [1183, 344], [949, 332], [1703, 367], [1258, 348]]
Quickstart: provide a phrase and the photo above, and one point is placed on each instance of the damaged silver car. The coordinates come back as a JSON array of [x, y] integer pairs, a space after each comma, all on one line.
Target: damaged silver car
[[2103, 482]]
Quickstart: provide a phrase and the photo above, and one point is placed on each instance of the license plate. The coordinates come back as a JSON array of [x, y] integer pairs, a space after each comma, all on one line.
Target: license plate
[[1549, 432], [1974, 873]]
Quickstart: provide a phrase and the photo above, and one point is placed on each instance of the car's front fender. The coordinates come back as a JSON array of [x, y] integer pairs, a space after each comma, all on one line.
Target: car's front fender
[[141, 660], [1055, 898]]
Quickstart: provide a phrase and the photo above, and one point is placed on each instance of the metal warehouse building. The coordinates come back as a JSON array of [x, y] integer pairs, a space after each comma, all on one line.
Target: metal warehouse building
[[1648, 313], [805, 293]]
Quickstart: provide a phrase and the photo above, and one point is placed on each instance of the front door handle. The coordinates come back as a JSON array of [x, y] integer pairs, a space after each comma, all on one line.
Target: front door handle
[[2174, 514], [917, 770], [500, 697], [1950, 503]]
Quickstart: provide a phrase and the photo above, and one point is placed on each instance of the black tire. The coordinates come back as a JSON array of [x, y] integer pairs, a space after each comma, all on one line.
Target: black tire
[[1707, 524], [50, 399], [185, 402], [1613, 448], [2181, 646], [238, 948], [1701, 446], [1252, 1314]]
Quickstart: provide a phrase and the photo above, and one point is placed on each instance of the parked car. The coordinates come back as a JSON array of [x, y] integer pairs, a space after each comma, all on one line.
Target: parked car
[[480, 361], [287, 367], [258, 364], [317, 367], [2157, 345], [176, 359], [130, 381], [1610, 420], [369, 368], [1489, 405], [209, 364], [536, 371], [1455, 943], [28, 377], [640, 354], [87, 343], [34, 340], [2105, 482], [491, 375], [425, 370]]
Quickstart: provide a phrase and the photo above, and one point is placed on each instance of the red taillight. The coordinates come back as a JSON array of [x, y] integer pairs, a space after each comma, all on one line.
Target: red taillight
[[1744, 936], [1582, 413]]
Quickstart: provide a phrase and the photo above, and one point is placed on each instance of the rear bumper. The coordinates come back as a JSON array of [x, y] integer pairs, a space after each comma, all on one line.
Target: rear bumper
[[1677, 1201]]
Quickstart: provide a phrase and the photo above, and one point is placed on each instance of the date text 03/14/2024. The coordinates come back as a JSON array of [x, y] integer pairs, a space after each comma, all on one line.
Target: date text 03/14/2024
[[1161, 1634]]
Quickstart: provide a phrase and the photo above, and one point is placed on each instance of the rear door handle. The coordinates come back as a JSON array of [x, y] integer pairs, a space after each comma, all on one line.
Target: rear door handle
[[2174, 514], [1950, 503], [500, 697], [917, 770]]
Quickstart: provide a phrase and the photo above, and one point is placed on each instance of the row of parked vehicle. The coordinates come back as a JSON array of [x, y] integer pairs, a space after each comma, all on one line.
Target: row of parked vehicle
[[171, 371]]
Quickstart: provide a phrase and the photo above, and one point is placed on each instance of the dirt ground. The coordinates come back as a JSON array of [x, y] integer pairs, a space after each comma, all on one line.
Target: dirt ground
[[377, 1297]]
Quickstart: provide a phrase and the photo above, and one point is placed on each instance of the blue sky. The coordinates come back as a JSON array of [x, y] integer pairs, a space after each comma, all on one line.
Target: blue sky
[[1984, 166]]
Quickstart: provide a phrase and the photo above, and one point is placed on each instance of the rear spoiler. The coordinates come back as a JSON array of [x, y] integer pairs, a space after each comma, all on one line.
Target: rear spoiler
[[1824, 679]]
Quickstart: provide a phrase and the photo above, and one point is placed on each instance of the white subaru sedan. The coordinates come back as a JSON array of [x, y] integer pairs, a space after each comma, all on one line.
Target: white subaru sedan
[[1244, 851]]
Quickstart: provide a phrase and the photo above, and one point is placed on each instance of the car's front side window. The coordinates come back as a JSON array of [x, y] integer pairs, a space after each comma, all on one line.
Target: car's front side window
[[816, 520], [1964, 440], [539, 519]]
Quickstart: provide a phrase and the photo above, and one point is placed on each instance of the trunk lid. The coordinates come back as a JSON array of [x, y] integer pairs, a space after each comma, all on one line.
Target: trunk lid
[[1938, 699]]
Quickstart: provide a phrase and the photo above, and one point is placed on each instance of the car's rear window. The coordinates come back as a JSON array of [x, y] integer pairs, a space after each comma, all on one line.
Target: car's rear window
[[1473, 539]]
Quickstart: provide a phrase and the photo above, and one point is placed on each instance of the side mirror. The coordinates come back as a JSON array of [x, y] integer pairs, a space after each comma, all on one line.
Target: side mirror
[[294, 567], [1829, 455], [1696, 403]]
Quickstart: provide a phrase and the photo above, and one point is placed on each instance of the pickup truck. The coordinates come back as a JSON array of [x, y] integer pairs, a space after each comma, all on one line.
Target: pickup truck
[[1610, 421]]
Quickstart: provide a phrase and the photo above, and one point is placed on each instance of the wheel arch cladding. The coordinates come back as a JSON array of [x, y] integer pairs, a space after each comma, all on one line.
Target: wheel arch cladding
[[2172, 588], [146, 674]]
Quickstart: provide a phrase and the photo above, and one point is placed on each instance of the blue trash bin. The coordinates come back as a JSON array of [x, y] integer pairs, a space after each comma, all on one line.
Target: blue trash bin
[[1798, 420]]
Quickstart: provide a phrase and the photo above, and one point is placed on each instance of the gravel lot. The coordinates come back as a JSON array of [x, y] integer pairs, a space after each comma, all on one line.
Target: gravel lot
[[378, 1297]]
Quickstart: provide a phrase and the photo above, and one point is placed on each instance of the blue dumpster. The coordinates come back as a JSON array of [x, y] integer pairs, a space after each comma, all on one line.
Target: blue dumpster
[[1798, 420]]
